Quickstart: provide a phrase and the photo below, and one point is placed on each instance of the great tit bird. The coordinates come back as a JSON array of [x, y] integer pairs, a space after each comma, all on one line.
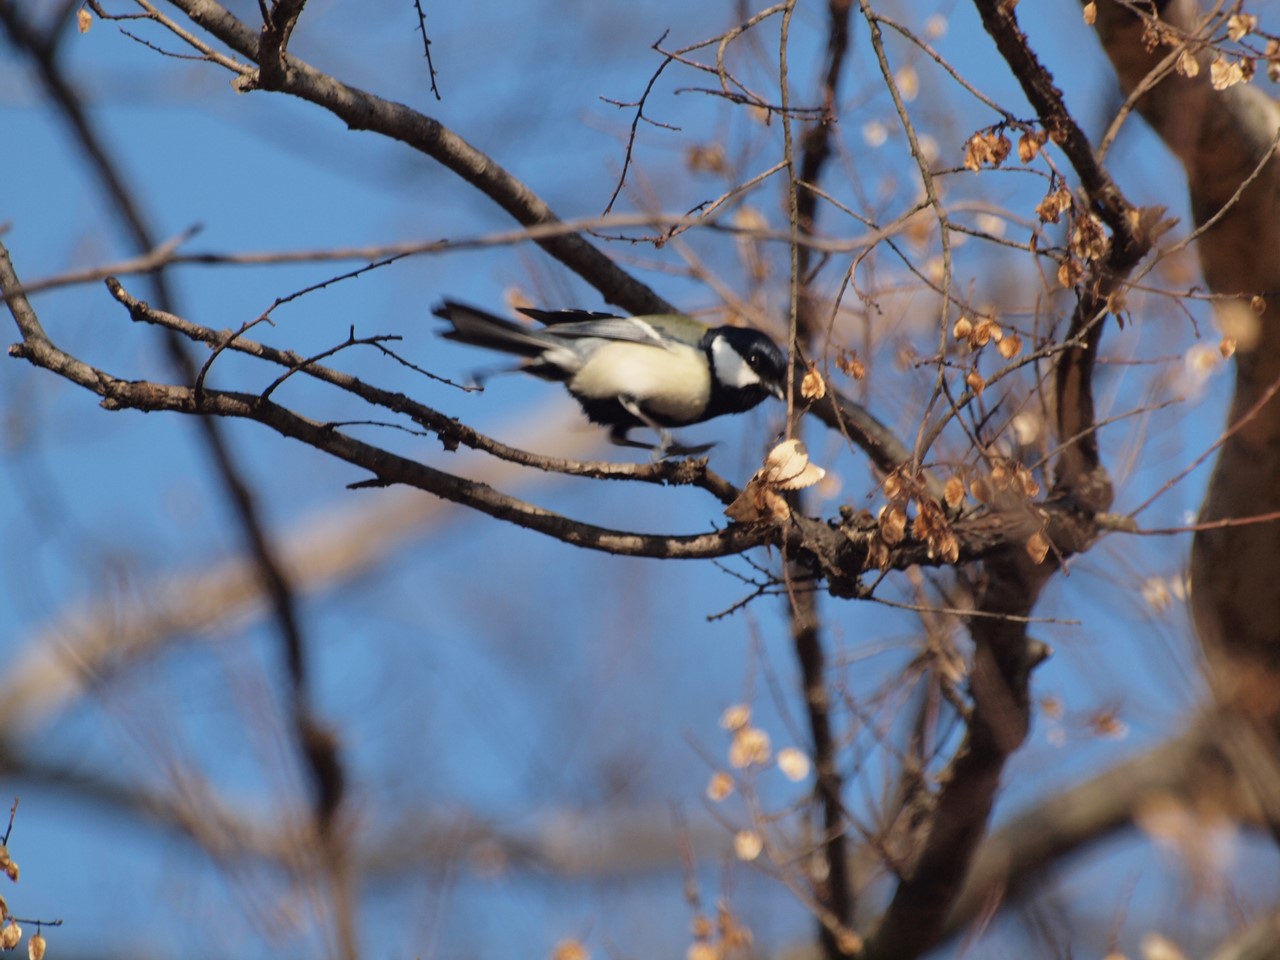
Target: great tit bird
[[659, 371]]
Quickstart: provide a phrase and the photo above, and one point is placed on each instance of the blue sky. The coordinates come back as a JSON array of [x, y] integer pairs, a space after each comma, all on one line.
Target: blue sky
[[481, 669]]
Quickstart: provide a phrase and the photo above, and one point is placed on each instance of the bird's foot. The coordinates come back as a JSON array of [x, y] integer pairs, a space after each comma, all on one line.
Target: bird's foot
[[672, 449]]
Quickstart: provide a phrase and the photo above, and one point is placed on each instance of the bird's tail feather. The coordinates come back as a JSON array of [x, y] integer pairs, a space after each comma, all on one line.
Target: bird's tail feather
[[482, 329]]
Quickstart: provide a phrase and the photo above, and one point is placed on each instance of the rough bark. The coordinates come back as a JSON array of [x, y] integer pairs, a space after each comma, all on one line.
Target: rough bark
[[1226, 141]]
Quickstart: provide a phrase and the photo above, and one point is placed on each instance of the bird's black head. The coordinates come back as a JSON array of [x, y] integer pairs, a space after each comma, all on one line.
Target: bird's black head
[[746, 367]]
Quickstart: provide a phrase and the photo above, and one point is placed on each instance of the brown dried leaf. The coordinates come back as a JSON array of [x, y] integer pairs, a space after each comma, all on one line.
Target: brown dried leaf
[[1029, 145], [1224, 73], [981, 489], [1187, 64], [850, 364], [1001, 475], [975, 382], [1027, 481], [1240, 25], [1088, 238], [975, 153], [962, 328], [35, 948], [1011, 346], [893, 524], [1054, 205], [1000, 149], [719, 787], [1149, 224], [954, 491], [84, 20], [10, 935], [1069, 273], [986, 147], [787, 467], [735, 717], [813, 387], [1153, 35], [1038, 546], [984, 331], [750, 747], [752, 504], [734, 934], [1090, 13]]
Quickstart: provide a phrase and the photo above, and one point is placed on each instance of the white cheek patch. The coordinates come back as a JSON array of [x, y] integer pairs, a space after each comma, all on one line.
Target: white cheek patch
[[732, 369]]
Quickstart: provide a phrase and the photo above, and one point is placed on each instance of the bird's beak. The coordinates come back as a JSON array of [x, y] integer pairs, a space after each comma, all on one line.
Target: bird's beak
[[778, 390]]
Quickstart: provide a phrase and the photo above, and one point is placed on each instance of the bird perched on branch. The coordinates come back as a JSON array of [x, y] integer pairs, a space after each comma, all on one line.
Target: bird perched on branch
[[659, 371]]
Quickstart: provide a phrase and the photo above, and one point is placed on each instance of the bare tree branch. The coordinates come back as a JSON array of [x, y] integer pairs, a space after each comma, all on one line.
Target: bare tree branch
[[364, 111]]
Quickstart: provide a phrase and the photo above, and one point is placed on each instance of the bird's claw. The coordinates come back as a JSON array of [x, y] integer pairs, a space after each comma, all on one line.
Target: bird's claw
[[665, 451]]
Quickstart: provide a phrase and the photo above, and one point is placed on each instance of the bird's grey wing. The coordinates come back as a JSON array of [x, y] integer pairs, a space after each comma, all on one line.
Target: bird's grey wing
[[556, 317], [625, 329]]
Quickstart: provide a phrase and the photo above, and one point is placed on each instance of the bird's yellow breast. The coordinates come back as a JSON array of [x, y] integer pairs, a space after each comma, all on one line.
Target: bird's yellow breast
[[669, 382]]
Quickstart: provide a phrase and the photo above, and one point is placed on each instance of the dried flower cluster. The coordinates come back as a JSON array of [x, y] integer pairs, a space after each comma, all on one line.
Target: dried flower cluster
[[1226, 67], [1005, 475], [10, 927], [990, 147], [719, 938], [1011, 477], [749, 749], [1055, 203], [850, 364], [813, 387], [977, 334], [930, 526], [786, 467], [986, 148]]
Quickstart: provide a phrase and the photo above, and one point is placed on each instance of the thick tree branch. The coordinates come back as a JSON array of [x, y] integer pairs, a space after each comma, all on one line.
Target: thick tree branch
[[997, 724], [1004, 655], [1226, 141], [1193, 769], [1000, 20]]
